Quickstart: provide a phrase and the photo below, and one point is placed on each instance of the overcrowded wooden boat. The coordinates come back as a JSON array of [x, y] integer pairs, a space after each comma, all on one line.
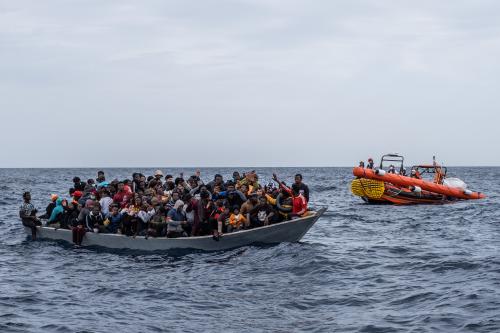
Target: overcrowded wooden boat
[[287, 231]]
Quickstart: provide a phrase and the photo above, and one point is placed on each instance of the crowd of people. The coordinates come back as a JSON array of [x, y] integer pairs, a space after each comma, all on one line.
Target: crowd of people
[[158, 206]]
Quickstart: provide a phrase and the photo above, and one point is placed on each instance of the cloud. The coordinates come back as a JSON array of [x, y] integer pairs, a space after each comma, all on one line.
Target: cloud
[[258, 81]]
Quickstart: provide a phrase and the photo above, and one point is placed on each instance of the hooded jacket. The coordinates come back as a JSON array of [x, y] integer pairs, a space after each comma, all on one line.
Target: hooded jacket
[[58, 209]]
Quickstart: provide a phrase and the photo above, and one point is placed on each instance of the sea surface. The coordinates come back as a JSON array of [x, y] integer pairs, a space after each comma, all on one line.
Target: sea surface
[[361, 268]]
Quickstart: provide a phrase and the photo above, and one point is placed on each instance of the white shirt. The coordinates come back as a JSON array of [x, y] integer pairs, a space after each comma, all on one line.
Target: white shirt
[[105, 202]]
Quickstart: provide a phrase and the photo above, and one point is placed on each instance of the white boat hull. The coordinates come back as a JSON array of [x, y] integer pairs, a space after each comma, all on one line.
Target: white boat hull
[[289, 231]]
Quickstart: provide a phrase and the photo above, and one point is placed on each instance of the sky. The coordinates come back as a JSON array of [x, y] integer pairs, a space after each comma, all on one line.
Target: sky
[[101, 83]]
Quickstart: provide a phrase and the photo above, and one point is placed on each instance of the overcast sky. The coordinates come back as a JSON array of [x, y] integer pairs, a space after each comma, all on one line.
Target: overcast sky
[[248, 82]]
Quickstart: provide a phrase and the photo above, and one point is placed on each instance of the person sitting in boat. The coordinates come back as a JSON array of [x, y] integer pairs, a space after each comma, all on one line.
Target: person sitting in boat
[[71, 212], [392, 169], [182, 186], [127, 186], [157, 223], [232, 195], [76, 198], [50, 207], [94, 221], [145, 214], [370, 163], [177, 225], [271, 194], [158, 175], [361, 164], [56, 215], [121, 195], [262, 214], [105, 202], [85, 210], [172, 200], [299, 201], [237, 220], [249, 183], [224, 219], [27, 213], [130, 217], [113, 221], [78, 228], [205, 212], [247, 207]]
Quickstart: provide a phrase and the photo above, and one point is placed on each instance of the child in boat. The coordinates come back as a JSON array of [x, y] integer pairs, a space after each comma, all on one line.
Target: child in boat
[[223, 220], [236, 220]]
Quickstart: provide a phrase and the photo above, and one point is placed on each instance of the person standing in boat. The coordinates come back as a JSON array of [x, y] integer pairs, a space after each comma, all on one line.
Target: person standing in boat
[[236, 177], [415, 174], [300, 186], [100, 177], [218, 181], [370, 163], [27, 213], [78, 185]]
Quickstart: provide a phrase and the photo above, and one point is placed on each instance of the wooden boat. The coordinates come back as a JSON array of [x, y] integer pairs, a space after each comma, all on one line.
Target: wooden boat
[[288, 231], [381, 186]]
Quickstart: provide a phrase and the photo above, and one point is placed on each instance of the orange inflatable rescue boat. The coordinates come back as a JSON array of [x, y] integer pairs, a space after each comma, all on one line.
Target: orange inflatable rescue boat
[[378, 185]]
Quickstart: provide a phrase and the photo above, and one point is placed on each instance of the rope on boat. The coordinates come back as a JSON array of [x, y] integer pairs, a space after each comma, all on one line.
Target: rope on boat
[[369, 188]]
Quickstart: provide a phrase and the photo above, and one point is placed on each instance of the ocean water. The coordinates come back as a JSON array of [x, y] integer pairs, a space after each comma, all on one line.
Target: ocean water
[[361, 268]]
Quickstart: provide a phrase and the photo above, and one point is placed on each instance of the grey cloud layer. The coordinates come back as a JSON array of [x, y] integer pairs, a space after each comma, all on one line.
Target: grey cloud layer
[[213, 83]]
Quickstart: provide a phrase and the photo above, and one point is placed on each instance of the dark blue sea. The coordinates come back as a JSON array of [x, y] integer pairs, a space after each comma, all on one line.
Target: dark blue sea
[[361, 268]]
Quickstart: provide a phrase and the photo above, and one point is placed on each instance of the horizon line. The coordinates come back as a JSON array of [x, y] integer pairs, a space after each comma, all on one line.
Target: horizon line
[[221, 167]]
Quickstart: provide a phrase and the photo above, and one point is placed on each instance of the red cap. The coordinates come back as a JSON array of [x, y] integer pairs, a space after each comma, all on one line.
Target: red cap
[[77, 194]]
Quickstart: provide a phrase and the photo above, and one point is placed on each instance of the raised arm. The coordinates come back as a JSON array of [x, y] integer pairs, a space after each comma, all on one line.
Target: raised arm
[[282, 185]]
